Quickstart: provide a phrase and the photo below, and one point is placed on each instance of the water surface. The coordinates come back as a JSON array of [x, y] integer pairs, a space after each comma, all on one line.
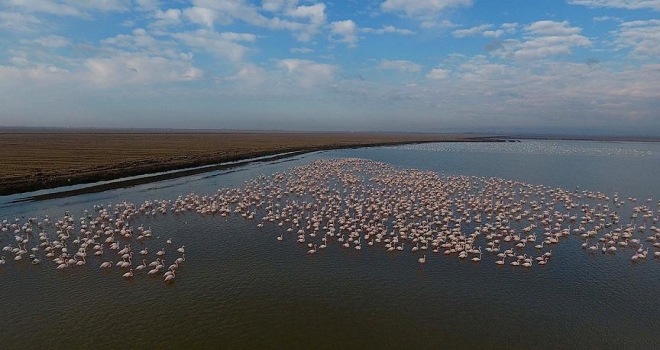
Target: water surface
[[241, 288]]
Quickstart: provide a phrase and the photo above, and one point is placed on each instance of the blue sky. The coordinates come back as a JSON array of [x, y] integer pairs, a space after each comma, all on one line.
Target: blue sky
[[572, 66]]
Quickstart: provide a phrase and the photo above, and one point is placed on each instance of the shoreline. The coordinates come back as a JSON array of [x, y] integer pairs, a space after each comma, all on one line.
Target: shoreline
[[179, 166], [149, 178]]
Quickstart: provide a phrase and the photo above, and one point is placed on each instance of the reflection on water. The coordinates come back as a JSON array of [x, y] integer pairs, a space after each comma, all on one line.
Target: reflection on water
[[240, 287], [568, 148]]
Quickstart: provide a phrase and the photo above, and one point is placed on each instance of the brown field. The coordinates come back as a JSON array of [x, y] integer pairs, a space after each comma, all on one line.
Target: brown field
[[39, 160]]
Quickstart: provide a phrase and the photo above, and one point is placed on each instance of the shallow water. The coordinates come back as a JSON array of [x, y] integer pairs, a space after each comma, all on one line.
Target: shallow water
[[241, 288]]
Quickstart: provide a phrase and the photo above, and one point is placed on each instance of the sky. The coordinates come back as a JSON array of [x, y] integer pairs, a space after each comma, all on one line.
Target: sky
[[504, 66]]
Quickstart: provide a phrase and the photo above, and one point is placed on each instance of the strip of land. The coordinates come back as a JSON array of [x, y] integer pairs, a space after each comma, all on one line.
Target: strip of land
[[40, 160]]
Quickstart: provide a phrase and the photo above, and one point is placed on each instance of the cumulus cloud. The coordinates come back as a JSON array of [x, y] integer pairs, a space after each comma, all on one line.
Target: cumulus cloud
[[315, 14], [304, 21], [139, 38], [307, 73], [345, 32], [551, 28], [52, 41], [605, 19], [127, 68], [474, 31], [104, 5], [45, 6], [438, 74], [221, 44], [76, 8], [543, 39], [203, 16], [422, 8], [485, 31], [301, 50], [168, 17], [387, 30], [147, 5], [444, 24], [249, 75], [273, 5], [18, 22], [509, 28], [641, 37], [399, 65], [622, 4], [38, 73]]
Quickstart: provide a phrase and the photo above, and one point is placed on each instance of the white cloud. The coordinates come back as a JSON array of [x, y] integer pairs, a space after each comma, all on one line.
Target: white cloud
[[19, 61], [307, 73], [304, 21], [422, 8], [147, 5], [316, 16], [168, 17], [438, 74], [220, 44], [18, 22], [399, 65], [52, 41], [36, 73], [543, 39], [125, 68], [273, 5], [641, 37], [606, 18], [76, 8], [387, 30], [474, 31], [622, 4], [202, 16], [103, 5], [509, 28], [551, 28], [444, 24], [346, 31], [484, 30], [301, 50], [249, 74], [478, 68], [493, 33], [141, 41], [45, 6]]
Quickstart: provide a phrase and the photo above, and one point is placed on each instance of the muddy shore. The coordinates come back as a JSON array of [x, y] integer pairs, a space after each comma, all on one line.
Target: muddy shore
[[42, 160]]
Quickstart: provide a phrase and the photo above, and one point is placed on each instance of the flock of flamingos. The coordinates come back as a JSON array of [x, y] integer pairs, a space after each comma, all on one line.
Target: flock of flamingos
[[353, 204]]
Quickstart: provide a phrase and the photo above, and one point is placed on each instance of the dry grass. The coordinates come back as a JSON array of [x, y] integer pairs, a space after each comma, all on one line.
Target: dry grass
[[33, 161]]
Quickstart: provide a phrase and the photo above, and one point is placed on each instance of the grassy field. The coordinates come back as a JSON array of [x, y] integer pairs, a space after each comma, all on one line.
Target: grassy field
[[38, 160]]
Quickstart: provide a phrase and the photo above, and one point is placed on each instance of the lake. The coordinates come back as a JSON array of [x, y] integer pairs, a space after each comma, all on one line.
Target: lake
[[240, 287]]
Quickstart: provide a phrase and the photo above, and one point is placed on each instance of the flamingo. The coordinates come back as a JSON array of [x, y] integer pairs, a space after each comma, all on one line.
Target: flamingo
[[169, 278], [181, 259], [141, 267]]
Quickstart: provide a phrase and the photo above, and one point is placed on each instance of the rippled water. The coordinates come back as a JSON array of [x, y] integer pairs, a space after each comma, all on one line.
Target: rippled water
[[240, 288]]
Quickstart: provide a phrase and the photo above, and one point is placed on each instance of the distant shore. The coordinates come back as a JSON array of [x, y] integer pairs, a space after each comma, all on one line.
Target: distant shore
[[37, 160]]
